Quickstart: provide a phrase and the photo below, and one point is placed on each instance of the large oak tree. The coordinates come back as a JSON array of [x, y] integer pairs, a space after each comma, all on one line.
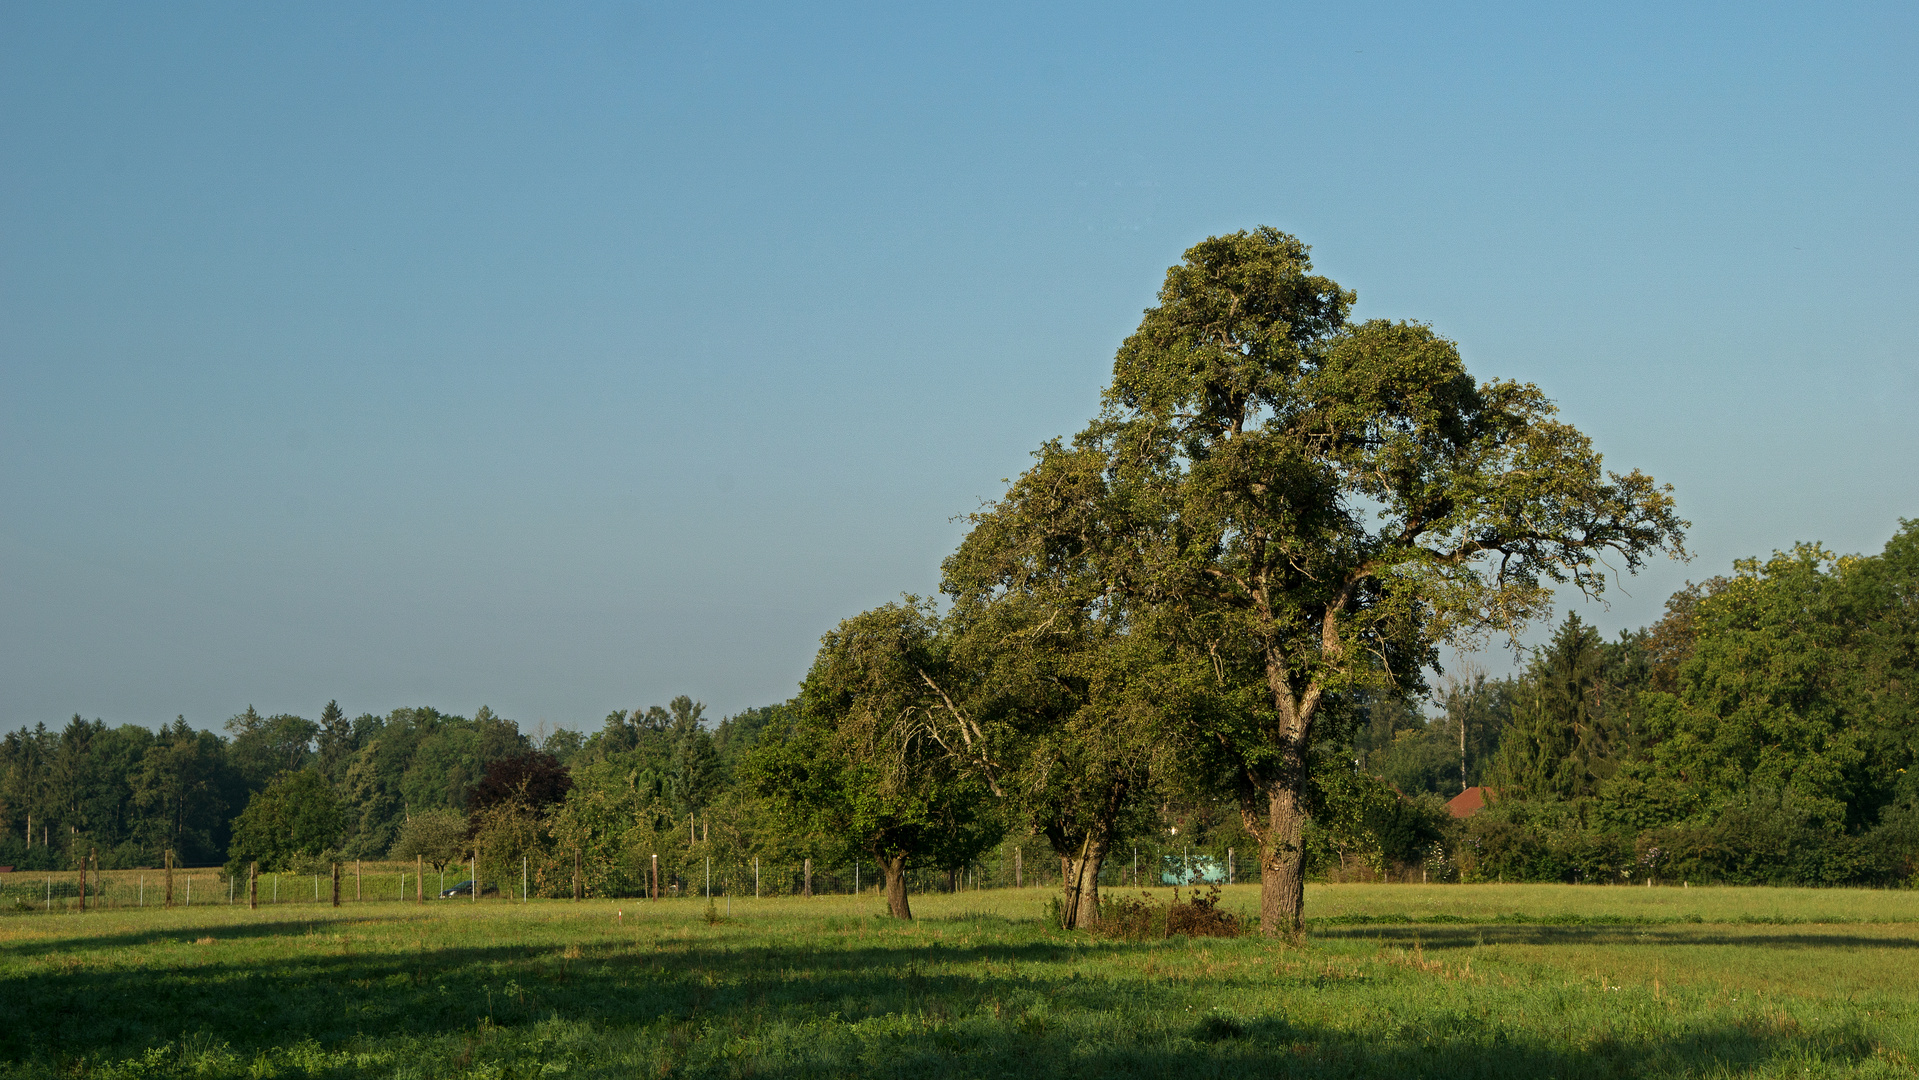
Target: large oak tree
[[1312, 506]]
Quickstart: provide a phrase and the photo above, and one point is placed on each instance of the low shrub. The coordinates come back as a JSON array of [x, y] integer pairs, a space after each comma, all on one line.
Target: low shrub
[[1200, 916], [1126, 918]]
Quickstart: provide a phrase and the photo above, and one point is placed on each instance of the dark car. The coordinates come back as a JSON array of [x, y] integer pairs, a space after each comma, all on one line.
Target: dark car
[[465, 888]]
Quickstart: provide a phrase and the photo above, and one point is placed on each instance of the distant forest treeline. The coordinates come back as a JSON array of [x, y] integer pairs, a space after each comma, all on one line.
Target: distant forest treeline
[[1763, 731], [1766, 731], [131, 793]]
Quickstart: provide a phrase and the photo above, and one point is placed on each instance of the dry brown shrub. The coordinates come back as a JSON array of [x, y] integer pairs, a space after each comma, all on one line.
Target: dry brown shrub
[[1128, 919], [1201, 916]]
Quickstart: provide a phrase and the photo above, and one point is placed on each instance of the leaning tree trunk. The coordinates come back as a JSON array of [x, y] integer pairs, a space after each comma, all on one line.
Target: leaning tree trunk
[[895, 870], [1082, 887]]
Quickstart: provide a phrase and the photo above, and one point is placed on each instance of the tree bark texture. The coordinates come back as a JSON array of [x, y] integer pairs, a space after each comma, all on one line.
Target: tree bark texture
[[1282, 860], [1081, 906], [1282, 840], [895, 870]]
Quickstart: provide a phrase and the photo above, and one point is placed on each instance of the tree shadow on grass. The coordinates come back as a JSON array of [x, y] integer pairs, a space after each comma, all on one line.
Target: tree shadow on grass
[[1276, 1047], [893, 1006], [323, 921], [187, 933], [290, 984], [1458, 937]]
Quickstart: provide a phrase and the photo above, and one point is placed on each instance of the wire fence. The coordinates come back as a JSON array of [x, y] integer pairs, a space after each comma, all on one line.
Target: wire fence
[[1016, 863], [201, 886]]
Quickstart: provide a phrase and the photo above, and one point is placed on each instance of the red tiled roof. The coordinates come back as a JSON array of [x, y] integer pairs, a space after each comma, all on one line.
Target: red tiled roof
[[1469, 802]]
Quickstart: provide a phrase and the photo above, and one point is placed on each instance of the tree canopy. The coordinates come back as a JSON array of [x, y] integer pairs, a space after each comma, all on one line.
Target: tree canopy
[[1210, 621], [864, 769], [293, 821], [1316, 505]]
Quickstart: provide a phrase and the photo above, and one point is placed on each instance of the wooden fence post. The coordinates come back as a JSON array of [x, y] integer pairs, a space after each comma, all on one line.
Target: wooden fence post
[[169, 865], [1019, 868], [419, 879], [336, 884], [807, 883], [253, 886]]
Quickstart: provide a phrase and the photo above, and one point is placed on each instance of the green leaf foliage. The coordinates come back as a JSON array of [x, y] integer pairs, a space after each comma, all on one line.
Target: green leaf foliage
[[868, 766], [1310, 506], [292, 821]]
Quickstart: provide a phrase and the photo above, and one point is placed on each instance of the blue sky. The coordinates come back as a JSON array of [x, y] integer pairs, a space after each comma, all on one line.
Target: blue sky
[[567, 358]]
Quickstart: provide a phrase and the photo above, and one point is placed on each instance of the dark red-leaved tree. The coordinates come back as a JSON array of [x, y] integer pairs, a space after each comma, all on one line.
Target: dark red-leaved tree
[[535, 779]]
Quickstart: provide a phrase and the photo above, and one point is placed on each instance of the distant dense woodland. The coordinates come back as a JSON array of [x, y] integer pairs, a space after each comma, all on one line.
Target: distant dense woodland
[[1203, 637], [1765, 731]]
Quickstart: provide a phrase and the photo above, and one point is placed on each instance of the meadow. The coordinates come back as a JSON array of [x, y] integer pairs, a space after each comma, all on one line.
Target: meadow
[[1394, 980]]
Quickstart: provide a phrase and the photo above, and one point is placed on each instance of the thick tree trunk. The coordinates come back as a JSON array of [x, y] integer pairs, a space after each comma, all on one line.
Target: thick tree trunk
[[1282, 847], [1082, 887], [1282, 861], [895, 870]]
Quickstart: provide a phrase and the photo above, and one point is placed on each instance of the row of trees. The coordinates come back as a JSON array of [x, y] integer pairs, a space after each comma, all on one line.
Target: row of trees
[[1765, 731], [1276, 521], [1230, 588], [1278, 517], [134, 793], [1207, 620]]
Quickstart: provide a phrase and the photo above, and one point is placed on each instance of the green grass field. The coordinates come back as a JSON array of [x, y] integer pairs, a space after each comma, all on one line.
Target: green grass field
[[1396, 980]]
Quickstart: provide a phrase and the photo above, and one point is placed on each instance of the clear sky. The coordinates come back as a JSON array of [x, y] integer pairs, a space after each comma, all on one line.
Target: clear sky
[[568, 357]]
